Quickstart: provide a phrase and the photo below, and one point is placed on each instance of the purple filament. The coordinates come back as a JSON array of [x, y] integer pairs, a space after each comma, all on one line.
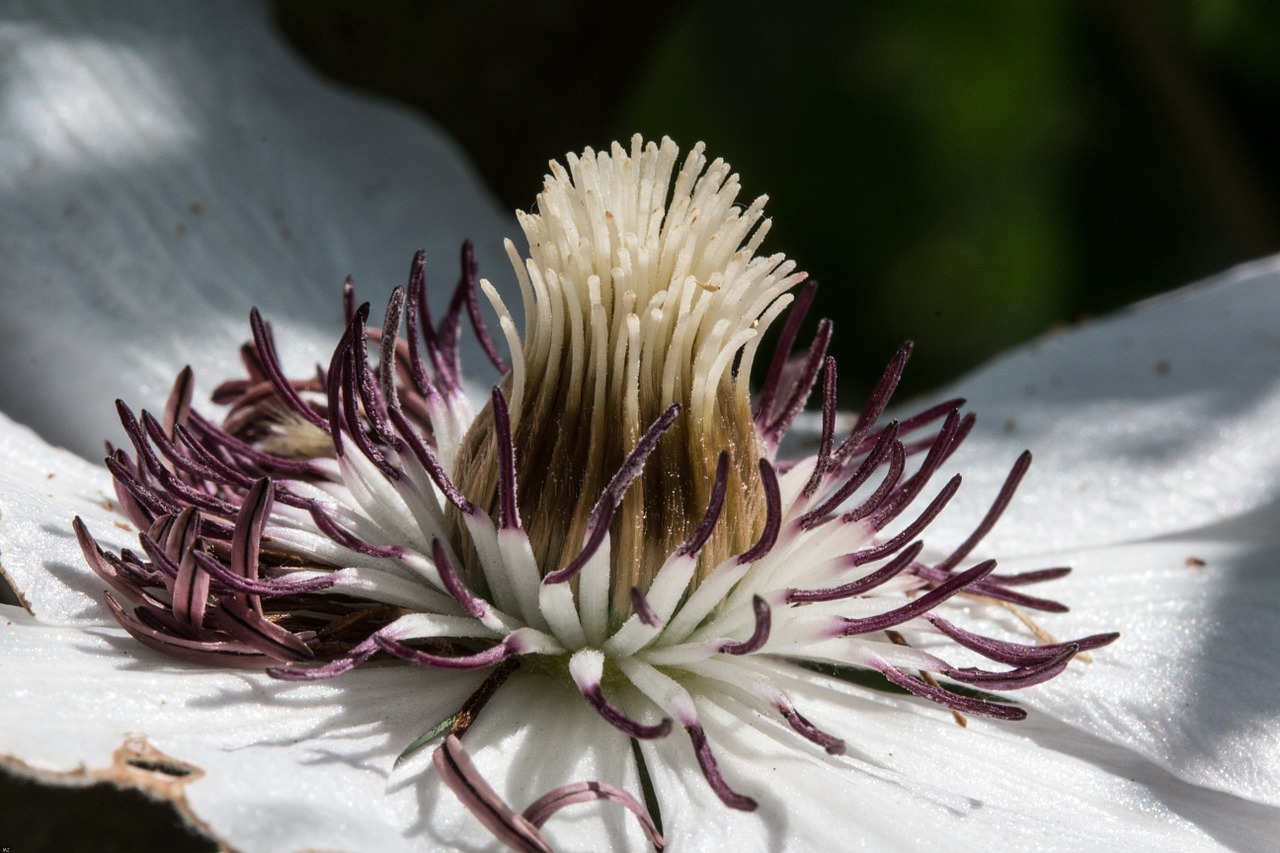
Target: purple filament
[[861, 585], [508, 511], [456, 770], [832, 744], [644, 612], [334, 531], [480, 660], [912, 530], [711, 771], [468, 285], [993, 515], [540, 810], [948, 699], [786, 340], [823, 462], [876, 500], [621, 721], [453, 584], [760, 636], [1017, 654], [773, 518], [917, 606], [602, 513], [802, 386], [270, 361], [876, 404]]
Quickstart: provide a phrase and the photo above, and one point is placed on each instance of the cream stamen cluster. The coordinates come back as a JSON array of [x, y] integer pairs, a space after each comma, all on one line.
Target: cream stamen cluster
[[642, 290], [617, 511]]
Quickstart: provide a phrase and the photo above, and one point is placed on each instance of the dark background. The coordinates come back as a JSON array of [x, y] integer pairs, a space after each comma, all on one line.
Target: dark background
[[967, 175]]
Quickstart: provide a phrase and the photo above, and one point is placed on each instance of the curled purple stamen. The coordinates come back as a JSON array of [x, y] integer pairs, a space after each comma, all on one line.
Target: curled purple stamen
[[711, 771], [387, 348], [548, 804], [358, 655], [876, 404], [897, 464], [823, 462], [431, 463], [612, 494], [178, 404], [215, 653], [854, 481], [271, 588], [417, 295], [621, 721], [473, 308], [247, 538], [508, 512], [1031, 577], [759, 636], [346, 539], [480, 660], [714, 505], [832, 744], [939, 447], [773, 518], [263, 634], [993, 590]]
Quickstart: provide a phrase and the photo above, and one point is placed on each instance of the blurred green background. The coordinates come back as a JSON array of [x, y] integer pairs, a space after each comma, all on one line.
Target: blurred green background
[[968, 175]]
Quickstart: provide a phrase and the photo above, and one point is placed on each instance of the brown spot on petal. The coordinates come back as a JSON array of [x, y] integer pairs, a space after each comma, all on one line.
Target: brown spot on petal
[[140, 765], [1195, 563]]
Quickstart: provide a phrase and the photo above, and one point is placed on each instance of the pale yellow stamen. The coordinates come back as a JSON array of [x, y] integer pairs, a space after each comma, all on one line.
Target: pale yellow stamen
[[642, 289]]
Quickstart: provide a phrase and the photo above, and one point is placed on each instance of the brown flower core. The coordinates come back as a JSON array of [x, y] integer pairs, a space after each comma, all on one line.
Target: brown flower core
[[567, 449]]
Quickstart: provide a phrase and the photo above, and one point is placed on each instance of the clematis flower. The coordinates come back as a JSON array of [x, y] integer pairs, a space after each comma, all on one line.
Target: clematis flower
[[1158, 487]]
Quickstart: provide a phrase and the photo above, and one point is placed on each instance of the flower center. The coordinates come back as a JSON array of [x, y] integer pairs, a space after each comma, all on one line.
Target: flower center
[[641, 290]]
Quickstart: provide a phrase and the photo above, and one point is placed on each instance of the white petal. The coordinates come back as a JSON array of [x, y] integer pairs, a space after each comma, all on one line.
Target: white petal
[[280, 766], [536, 735], [915, 780], [167, 164], [1193, 683], [42, 489], [1161, 418]]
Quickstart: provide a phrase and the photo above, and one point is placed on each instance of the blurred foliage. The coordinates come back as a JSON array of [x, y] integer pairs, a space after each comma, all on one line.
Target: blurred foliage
[[964, 174]]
